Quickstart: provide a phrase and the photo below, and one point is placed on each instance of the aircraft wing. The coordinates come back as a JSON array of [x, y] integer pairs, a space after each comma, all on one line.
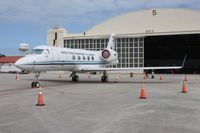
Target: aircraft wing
[[135, 68], [131, 68]]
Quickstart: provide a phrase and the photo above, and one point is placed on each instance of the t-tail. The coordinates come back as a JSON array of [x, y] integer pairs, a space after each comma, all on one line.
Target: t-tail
[[108, 54], [111, 42]]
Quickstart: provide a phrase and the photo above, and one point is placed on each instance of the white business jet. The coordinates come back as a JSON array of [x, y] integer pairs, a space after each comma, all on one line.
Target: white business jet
[[45, 58]]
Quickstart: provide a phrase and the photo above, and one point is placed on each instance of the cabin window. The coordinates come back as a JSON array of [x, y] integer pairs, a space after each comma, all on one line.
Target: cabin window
[[79, 57], [73, 57], [83, 57]]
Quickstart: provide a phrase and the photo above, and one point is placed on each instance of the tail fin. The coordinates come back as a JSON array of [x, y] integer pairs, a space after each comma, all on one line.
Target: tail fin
[[111, 43]]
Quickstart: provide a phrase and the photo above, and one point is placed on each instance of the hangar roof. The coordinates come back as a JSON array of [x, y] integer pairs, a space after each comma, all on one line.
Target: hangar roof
[[152, 21], [9, 59]]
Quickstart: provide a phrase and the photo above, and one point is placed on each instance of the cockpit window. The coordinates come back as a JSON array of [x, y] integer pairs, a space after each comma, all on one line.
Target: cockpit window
[[37, 51], [46, 51]]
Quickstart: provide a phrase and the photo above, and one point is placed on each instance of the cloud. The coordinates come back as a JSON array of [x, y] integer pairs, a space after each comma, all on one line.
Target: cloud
[[52, 12]]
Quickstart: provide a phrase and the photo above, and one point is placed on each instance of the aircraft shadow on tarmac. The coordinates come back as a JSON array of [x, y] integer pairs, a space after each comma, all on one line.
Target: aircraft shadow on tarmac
[[45, 83], [112, 81]]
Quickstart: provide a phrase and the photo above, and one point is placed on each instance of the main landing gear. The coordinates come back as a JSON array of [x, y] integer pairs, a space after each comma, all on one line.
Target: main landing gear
[[36, 84], [104, 78], [75, 78]]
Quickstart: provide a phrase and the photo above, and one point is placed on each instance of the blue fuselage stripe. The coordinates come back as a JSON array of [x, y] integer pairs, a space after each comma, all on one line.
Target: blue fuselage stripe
[[69, 63]]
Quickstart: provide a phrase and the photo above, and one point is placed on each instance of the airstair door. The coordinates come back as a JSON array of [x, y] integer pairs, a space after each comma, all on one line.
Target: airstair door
[[55, 55]]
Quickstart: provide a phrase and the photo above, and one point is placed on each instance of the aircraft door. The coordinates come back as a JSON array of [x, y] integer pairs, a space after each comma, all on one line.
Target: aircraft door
[[55, 55]]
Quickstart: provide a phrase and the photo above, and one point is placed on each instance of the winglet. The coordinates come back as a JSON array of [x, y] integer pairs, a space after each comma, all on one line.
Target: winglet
[[184, 61]]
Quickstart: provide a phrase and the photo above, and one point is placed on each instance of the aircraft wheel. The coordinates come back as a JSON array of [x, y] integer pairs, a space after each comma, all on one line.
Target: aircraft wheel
[[75, 78], [104, 79], [32, 84], [35, 84]]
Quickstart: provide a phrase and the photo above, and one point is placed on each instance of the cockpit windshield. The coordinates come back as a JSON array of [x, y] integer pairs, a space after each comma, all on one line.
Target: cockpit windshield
[[36, 51]]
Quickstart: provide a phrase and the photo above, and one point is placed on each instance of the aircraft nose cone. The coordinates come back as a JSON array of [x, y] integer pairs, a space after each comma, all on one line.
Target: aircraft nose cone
[[18, 63]]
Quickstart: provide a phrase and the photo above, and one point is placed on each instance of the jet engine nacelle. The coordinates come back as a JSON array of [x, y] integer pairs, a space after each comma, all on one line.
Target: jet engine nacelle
[[109, 55]]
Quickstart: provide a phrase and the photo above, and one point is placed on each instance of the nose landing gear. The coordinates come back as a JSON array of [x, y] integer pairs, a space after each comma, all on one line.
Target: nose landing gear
[[36, 84]]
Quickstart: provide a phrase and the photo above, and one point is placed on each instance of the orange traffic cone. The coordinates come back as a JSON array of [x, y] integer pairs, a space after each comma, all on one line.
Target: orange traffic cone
[[161, 77], [142, 93], [184, 90], [185, 78], [40, 98], [17, 77]]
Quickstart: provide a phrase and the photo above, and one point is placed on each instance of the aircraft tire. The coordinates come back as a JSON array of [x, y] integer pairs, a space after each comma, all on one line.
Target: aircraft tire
[[104, 79], [75, 78], [32, 84], [35, 84]]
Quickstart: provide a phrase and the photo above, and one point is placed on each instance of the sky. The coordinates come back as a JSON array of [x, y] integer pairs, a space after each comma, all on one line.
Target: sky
[[27, 21]]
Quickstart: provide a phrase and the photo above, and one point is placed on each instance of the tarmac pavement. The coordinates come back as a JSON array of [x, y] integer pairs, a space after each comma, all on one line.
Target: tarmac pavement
[[90, 106]]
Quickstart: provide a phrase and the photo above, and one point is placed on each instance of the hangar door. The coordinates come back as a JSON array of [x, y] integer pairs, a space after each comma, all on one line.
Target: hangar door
[[170, 50]]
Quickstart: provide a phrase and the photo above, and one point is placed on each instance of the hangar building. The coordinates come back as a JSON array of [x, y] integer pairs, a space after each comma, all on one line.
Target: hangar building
[[153, 37]]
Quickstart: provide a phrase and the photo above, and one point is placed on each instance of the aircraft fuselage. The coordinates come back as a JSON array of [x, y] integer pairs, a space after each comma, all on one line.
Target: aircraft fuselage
[[45, 58]]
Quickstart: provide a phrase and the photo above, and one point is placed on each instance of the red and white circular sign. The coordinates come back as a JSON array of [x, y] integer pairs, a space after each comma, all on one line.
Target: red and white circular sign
[[105, 53]]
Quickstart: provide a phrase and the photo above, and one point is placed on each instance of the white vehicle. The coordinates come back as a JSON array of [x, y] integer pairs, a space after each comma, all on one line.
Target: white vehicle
[[45, 58]]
